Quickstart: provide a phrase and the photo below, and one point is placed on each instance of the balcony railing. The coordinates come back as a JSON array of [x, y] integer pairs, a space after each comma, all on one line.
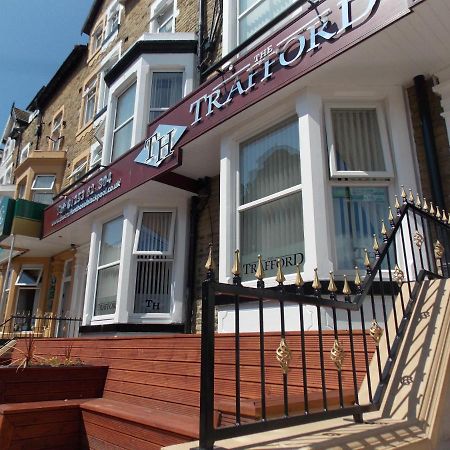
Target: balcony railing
[[332, 373], [39, 326]]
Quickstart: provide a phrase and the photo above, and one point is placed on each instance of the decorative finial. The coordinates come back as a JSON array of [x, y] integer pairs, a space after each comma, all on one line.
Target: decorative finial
[[425, 204], [209, 266], [346, 289], [298, 277], [431, 211], [367, 262], [284, 355], [411, 196], [384, 230], [259, 270], [236, 269], [316, 283], [444, 216], [391, 216], [358, 281], [397, 204], [403, 193], [438, 213], [376, 245], [280, 279], [332, 289], [418, 202]]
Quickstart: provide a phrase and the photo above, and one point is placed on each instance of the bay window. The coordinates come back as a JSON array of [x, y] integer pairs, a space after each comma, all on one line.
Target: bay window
[[361, 171], [167, 90], [270, 217], [108, 267], [154, 250], [123, 122]]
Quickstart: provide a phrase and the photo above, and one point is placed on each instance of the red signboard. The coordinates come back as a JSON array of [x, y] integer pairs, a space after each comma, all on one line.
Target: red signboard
[[324, 30]]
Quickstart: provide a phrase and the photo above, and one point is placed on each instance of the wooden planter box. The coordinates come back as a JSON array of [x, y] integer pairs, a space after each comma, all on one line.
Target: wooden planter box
[[42, 383]]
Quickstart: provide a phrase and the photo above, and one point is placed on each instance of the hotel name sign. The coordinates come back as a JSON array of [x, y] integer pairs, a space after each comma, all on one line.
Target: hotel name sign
[[322, 30]]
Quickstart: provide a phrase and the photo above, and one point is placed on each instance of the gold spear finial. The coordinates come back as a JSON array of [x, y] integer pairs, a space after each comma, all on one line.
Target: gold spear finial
[[411, 196], [390, 216], [298, 278], [397, 203], [358, 281], [346, 289], [236, 269], [367, 262], [259, 270], [376, 245], [438, 213], [418, 202], [280, 275], [425, 204], [209, 266], [403, 193], [332, 285], [383, 228], [316, 283], [431, 211], [444, 216]]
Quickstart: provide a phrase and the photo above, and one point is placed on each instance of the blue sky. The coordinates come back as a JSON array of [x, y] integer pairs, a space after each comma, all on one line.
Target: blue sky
[[36, 37]]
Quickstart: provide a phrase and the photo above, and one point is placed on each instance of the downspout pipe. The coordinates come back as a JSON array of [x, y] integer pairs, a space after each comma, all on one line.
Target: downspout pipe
[[429, 141], [201, 36]]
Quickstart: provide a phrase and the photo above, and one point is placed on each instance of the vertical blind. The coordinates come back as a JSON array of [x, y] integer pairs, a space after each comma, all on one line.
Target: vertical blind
[[270, 163], [167, 89], [357, 140], [357, 214], [154, 271]]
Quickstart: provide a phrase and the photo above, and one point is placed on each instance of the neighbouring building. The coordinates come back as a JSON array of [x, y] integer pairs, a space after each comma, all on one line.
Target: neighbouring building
[[280, 129]]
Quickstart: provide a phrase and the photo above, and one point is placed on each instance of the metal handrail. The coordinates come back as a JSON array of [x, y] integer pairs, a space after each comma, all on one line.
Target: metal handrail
[[418, 241]]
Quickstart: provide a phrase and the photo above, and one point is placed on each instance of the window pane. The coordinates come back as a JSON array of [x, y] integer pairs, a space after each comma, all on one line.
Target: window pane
[[155, 230], [122, 140], [357, 140], [29, 277], [153, 285], [43, 197], [106, 296], [270, 162], [166, 89], [259, 16], [274, 230], [111, 241], [125, 106], [43, 182], [357, 214], [165, 21]]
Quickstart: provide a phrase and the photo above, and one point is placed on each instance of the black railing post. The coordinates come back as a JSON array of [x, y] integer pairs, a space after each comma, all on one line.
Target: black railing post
[[207, 365]]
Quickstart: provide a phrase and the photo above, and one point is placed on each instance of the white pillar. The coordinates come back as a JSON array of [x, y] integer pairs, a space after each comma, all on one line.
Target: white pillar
[[314, 169], [125, 297], [89, 296], [78, 283]]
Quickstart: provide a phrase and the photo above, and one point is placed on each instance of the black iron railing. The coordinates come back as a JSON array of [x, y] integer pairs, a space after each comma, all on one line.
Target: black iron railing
[[45, 326], [322, 374]]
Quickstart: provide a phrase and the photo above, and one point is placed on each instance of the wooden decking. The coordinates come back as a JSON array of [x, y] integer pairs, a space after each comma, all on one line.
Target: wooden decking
[[151, 394]]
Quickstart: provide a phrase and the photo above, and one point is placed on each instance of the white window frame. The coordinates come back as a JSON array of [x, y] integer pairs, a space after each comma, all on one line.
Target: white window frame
[[39, 278], [90, 88], [170, 251], [162, 70], [24, 153], [157, 9], [45, 190], [96, 150], [100, 317], [77, 168], [388, 173], [107, 63], [117, 94], [110, 32], [8, 150], [7, 179], [97, 39], [57, 126]]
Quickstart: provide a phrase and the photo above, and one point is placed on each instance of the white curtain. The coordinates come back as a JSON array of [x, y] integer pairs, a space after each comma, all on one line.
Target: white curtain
[[357, 140]]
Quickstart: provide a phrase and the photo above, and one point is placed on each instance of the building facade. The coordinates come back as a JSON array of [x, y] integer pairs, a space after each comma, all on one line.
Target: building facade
[[282, 129]]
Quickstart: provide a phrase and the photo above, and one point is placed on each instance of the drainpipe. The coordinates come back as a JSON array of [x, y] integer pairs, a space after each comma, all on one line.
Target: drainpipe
[[201, 34], [429, 141], [7, 277]]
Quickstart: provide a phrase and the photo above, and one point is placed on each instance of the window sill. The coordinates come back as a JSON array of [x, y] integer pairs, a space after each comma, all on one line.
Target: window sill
[[84, 128]]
